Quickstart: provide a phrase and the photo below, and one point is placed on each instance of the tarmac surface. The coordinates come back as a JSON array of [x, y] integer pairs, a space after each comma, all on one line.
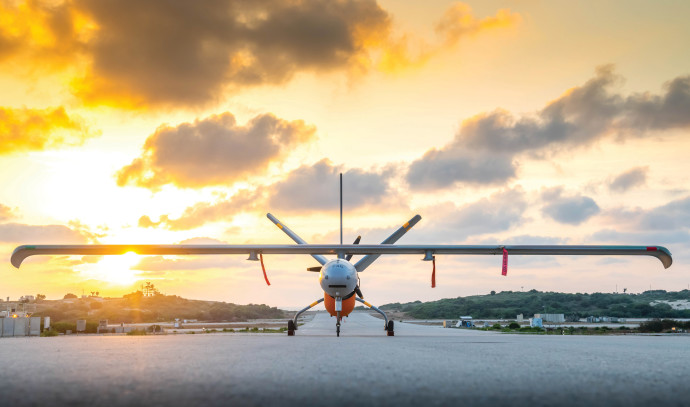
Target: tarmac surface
[[420, 365]]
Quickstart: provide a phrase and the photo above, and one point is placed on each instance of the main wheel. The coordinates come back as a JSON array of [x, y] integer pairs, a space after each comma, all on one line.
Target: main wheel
[[337, 330], [291, 328], [389, 329]]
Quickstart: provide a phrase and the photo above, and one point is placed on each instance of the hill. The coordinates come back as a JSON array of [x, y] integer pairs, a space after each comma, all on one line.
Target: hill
[[135, 307], [507, 304]]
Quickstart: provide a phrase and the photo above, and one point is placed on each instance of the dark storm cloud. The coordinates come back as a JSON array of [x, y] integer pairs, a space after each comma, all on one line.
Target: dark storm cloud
[[629, 179], [580, 117], [213, 151], [186, 53], [571, 210]]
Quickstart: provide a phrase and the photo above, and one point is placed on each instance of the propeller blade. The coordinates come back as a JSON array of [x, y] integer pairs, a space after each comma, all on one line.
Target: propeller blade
[[359, 292], [315, 269], [349, 256]]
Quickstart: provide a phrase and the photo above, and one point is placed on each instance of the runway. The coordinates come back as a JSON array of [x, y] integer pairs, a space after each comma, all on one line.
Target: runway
[[420, 365]]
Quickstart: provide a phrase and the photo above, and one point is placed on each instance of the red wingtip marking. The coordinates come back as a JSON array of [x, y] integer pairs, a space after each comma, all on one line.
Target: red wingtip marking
[[504, 270], [651, 249], [261, 257], [433, 273]]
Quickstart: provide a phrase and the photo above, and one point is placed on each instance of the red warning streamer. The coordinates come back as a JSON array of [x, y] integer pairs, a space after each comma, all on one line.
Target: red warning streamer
[[433, 273], [505, 262], [261, 257]]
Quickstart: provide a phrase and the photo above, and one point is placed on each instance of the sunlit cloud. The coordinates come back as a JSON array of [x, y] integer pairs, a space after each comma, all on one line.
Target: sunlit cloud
[[6, 213], [25, 129], [459, 21], [214, 151], [306, 189], [134, 54]]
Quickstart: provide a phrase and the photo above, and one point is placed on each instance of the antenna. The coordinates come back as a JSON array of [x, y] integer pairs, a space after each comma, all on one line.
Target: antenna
[[341, 208]]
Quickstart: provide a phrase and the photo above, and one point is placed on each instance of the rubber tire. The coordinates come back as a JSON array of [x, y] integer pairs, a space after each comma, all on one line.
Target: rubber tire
[[389, 329], [291, 328]]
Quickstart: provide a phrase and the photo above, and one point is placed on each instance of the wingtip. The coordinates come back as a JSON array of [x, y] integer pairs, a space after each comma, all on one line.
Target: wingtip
[[663, 254], [17, 256]]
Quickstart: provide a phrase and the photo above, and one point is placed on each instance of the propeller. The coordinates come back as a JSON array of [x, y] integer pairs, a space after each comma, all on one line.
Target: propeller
[[349, 256]]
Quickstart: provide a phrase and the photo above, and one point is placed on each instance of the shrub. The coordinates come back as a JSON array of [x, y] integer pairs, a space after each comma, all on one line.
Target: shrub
[[49, 333], [496, 326], [64, 326], [654, 325], [514, 325]]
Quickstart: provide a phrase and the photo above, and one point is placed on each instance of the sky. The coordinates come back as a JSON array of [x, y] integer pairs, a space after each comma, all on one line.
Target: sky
[[499, 122]]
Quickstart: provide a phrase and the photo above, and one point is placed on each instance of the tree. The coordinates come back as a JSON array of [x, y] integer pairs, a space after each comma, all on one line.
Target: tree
[[40, 297], [69, 295]]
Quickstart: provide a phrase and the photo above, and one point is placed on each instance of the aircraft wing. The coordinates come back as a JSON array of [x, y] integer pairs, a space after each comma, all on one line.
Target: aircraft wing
[[22, 252]]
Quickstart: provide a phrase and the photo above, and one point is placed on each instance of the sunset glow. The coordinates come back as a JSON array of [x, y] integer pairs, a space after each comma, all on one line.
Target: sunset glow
[[499, 122]]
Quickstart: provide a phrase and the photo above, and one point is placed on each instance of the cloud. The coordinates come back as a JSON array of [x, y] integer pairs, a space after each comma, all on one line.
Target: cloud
[[40, 34], [499, 212], [629, 179], [458, 21], [485, 148], [316, 187], [204, 212], [26, 129], [213, 151], [40, 234], [307, 188], [674, 215], [188, 54], [447, 166], [137, 54], [6, 213], [571, 210]]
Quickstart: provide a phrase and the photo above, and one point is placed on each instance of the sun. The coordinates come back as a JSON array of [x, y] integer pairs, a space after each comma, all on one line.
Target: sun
[[113, 269]]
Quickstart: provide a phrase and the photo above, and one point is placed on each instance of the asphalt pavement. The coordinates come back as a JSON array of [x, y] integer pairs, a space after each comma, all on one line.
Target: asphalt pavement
[[420, 365]]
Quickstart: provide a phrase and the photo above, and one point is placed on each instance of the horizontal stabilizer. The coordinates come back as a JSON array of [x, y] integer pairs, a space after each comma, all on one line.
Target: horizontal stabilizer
[[294, 237], [367, 260]]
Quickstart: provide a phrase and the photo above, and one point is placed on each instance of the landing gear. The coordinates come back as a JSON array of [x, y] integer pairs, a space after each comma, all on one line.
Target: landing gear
[[292, 324], [389, 329], [387, 325], [337, 325]]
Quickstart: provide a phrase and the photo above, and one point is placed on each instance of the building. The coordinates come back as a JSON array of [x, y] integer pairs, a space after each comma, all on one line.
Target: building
[[552, 318]]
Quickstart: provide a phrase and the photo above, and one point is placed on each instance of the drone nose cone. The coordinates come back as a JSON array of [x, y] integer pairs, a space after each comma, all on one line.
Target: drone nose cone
[[338, 278]]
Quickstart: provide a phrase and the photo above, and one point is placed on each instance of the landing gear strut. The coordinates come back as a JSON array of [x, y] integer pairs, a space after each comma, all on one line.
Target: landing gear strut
[[337, 324], [387, 325], [292, 324]]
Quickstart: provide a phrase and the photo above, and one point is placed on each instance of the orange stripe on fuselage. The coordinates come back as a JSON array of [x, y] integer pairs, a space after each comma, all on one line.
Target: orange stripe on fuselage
[[329, 303]]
